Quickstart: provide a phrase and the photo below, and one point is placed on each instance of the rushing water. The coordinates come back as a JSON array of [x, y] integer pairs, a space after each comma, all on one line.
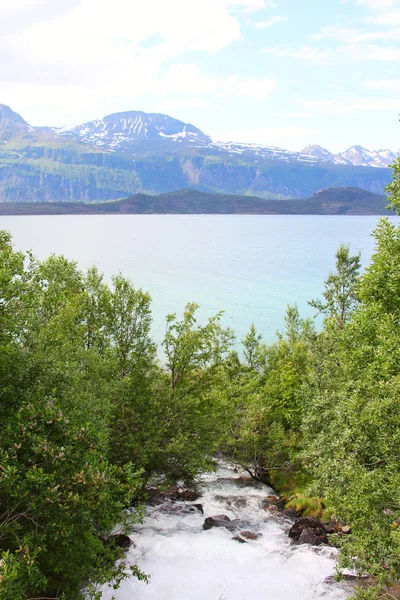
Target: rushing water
[[188, 563], [250, 266]]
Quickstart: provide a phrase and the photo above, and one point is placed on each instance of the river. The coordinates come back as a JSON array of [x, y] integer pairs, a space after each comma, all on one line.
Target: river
[[188, 563]]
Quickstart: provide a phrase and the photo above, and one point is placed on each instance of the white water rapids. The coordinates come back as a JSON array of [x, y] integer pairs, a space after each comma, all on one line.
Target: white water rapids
[[188, 563]]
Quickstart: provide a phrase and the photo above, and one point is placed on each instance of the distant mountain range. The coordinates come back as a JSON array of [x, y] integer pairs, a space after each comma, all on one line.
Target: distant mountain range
[[356, 155], [138, 152]]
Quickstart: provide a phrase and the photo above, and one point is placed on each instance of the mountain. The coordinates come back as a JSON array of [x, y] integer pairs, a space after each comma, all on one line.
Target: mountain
[[127, 131], [331, 201], [12, 125], [137, 152], [356, 155]]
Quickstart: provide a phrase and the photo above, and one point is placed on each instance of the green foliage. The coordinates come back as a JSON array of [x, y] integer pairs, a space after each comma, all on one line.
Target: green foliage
[[351, 429], [266, 395], [195, 410], [340, 294]]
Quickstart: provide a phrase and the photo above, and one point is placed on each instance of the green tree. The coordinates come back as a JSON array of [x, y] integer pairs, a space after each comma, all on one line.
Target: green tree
[[340, 293]]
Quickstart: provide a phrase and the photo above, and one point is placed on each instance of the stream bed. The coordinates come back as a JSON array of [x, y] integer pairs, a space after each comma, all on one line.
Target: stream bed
[[186, 562]]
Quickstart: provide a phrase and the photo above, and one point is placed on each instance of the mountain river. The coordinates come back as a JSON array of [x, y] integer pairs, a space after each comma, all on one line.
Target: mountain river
[[186, 562]]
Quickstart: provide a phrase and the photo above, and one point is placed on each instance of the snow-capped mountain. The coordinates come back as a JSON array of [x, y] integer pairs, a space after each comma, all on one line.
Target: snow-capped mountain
[[259, 151], [130, 152], [126, 130], [139, 132], [12, 125], [325, 155], [356, 155], [362, 157]]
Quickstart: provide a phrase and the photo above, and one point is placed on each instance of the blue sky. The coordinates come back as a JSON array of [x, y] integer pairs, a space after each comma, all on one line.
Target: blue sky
[[279, 72]]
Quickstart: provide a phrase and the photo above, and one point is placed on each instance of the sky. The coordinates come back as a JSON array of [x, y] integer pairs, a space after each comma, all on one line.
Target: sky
[[278, 72]]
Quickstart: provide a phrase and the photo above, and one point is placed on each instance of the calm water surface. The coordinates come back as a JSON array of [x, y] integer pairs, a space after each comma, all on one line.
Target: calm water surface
[[251, 267]]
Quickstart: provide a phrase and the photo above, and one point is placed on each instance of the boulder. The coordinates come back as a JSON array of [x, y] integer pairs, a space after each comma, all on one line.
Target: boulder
[[216, 521], [313, 526], [224, 521], [250, 535], [308, 536]]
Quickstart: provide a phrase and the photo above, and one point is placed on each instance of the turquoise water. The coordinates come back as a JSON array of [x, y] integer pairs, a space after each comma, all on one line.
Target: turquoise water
[[251, 267]]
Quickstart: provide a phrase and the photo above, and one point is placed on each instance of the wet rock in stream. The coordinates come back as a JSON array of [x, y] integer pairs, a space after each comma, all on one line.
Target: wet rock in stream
[[179, 509], [224, 521], [307, 530]]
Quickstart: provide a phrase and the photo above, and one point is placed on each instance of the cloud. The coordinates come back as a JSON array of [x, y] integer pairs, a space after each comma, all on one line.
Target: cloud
[[21, 14], [349, 106], [392, 85], [259, 88], [390, 18], [377, 4], [274, 20], [349, 52], [89, 49], [354, 36], [307, 53], [188, 79]]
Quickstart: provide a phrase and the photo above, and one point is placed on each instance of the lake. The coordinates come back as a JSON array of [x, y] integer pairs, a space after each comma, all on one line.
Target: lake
[[251, 267]]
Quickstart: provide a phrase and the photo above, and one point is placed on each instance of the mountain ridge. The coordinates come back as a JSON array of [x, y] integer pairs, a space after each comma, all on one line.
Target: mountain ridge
[[134, 151], [330, 201]]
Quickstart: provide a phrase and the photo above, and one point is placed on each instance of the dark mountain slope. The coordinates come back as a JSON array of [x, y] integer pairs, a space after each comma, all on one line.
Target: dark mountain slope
[[334, 201]]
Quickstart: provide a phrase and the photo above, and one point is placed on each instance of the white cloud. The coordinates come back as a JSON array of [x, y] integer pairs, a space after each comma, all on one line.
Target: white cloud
[[274, 20], [350, 52], [259, 88], [379, 53], [349, 106], [392, 85], [307, 53], [188, 79], [89, 47], [390, 18], [294, 115], [354, 36], [377, 4]]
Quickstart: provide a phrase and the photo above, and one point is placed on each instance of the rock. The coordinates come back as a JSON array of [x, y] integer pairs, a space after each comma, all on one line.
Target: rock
[[239, 539], [224, 521], [337, 527], [184, 494], [308, 536], [199, 508], [273, 503], [173, 493], [312, 524], [172, 508], [345, 529], [250, 535], [330, 527], [236, 501], [120, 540], [216, 521]]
